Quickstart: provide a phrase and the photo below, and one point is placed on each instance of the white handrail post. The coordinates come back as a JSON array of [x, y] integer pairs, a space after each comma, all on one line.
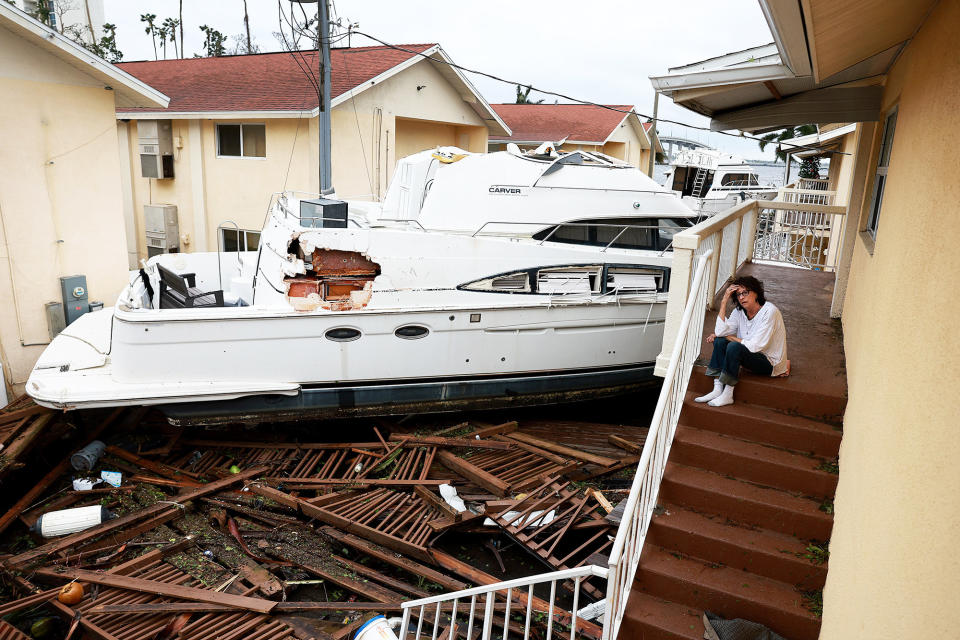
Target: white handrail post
[[680, 272], [735, 254], [714, 268], [753, 233]]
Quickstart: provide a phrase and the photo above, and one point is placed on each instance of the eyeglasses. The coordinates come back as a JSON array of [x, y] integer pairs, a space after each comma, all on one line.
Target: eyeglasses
[[740, 294]]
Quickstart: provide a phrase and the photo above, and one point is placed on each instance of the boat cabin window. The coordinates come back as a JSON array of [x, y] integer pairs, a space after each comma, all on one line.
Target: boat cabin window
[[578, 279], [565, 280], [669, 227], [634, 280], [509, 283], [739, 180], [654, 234]]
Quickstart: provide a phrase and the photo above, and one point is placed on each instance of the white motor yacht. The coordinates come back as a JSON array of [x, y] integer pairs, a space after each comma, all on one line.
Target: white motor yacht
[[482, 280], [711, 181]]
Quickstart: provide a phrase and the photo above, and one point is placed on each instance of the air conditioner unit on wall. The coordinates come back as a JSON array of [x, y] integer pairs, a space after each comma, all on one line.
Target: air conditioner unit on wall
[[162, 228], [155, 144]]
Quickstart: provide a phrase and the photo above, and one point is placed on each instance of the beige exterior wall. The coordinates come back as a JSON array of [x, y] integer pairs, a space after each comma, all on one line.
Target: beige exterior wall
[[627, 144], [60, 203], [392, 119], [894, 570]]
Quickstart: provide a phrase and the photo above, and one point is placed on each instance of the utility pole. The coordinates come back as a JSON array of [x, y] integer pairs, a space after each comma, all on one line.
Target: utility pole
[[323, 64], [326, 176], [653, 134]]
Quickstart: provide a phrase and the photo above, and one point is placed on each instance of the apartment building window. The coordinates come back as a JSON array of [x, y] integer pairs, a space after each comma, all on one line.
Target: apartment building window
[[242, 140], [239, 240], [880, 179]]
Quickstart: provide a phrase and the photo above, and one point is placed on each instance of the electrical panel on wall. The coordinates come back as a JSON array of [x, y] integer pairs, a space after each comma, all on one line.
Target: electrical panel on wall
[[155, 144], [162, 227]]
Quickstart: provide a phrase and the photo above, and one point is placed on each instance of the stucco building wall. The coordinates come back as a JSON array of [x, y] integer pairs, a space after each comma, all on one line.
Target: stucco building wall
[[60, 202], [369, 133], [894, 570]]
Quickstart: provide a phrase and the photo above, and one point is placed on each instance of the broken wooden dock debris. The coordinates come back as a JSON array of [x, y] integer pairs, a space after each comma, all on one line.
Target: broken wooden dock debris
[[217, 535]]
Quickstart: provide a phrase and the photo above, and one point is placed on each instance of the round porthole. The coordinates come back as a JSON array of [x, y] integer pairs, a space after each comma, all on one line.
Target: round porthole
[[411, 332], [342, 334]]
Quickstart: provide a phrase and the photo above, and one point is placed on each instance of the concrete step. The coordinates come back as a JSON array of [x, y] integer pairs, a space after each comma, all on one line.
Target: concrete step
[[650, 618], [731, 593], [762, 464], [782, 394], [759, 424], [745, 503], [711, 539]]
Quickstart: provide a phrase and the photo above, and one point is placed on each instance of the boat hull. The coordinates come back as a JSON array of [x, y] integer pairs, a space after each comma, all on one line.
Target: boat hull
[[429, 396]]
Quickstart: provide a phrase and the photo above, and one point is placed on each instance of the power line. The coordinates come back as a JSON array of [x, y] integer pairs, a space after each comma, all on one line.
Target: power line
[[571, 98]]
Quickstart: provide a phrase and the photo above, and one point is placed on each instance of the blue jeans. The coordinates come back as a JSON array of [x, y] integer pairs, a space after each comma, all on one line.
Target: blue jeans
[[729, 356]]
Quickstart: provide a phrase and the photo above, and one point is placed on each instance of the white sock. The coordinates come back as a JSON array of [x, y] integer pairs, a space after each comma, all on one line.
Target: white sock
[[724, 398], [717, 390]]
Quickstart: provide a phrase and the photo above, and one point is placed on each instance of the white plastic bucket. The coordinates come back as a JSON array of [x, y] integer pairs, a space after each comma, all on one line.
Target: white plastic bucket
[[376, 628]]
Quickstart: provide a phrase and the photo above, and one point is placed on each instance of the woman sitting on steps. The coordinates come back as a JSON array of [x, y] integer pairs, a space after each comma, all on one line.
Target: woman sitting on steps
[[753, 336]]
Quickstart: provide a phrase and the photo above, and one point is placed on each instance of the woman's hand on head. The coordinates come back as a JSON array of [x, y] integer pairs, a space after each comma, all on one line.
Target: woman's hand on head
[[732, 290]]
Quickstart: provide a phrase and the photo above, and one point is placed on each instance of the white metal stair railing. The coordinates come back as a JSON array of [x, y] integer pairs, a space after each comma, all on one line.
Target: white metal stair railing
[[479, 608], [441, 612], [628, 545]]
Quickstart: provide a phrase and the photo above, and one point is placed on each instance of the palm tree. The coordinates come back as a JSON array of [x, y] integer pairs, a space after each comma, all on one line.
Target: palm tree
[[523, 97], [171, 24], [786, 134], [151, 29]]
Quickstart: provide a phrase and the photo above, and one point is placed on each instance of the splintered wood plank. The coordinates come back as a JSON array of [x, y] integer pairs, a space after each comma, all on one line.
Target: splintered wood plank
[[563, 450], [378, 552], [148, 608], [403, 517], [473, 473], [451, 442], [155, 587], [626, 445]]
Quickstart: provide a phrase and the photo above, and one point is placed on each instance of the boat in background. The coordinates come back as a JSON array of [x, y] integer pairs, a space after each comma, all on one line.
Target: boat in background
[[711, 181], [483, 280]]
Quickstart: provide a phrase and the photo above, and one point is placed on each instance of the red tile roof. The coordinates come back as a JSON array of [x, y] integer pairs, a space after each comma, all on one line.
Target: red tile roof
[[553, 122], [262, 82]]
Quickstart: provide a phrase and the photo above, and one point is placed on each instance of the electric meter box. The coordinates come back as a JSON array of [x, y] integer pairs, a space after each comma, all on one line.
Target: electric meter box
[[76, 301]]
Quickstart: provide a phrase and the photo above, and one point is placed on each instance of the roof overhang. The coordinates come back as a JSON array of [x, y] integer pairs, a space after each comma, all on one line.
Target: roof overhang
[[128, 91], [816, 144], [215, 115], [826, 64]]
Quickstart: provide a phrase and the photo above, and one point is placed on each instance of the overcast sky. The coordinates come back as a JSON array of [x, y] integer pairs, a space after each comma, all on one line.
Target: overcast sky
[[602, 51]]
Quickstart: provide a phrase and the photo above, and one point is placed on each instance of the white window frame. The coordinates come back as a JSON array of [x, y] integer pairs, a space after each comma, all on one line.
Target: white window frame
[[241, 235], [216, 128], [879, 185]]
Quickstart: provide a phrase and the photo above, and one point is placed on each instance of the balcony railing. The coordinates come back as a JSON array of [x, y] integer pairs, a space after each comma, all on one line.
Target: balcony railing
[[788, 231]]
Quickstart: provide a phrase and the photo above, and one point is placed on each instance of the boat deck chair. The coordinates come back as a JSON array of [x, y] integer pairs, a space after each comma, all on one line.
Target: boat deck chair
[[179, 291]]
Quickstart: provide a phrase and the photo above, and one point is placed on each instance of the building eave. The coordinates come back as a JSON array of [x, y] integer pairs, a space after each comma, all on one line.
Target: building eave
[[215, 115], [127, 89]]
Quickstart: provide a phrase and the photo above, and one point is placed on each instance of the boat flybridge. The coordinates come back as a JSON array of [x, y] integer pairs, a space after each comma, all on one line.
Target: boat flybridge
[[481, 280], [711, 181]]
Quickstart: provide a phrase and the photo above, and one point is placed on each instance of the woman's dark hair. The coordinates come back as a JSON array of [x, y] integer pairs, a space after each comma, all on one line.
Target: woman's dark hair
[[750, 284]]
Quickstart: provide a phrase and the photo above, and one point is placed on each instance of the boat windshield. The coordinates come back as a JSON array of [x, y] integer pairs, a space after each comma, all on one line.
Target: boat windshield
[[655, 234]]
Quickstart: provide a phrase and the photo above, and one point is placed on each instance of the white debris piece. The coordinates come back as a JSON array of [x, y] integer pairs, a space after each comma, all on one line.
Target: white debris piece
[[449, 494]]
